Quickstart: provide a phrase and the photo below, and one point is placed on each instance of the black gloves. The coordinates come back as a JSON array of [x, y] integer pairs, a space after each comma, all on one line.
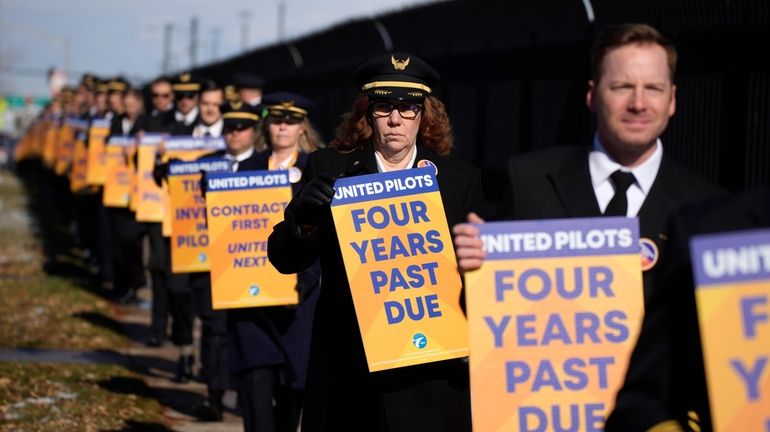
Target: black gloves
[[313, 200], [203, 184], [160, 170]]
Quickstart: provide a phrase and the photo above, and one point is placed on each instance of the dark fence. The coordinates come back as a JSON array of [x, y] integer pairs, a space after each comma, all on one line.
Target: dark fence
[[514, 75]]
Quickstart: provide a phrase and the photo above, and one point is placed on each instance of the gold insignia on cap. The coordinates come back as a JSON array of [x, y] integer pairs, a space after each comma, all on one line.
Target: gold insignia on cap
[[382, 92], [240, 116], [397, 84], [415, 94], [236, 105], [286, 107], [399, 65], [185, 77]]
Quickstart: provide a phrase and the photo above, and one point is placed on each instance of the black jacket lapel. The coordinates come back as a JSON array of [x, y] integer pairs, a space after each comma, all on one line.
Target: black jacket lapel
[[572, 182], [361, 161], [665, 194]]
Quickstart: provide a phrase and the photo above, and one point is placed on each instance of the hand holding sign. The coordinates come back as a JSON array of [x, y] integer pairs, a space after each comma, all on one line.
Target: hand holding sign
[[468, 246], [314, 199]]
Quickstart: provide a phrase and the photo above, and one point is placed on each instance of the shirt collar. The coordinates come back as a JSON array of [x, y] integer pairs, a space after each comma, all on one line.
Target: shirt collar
[[127, 123], [187, 119], [169, 107], [241, 157], [215, 129], [284, 164], [381, 166], [602, 165]]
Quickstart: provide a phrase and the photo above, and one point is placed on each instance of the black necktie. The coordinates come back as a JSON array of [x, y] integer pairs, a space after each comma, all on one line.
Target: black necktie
[[618, 205]]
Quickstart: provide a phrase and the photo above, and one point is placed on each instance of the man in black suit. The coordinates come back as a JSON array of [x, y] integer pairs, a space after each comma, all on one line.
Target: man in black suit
[[239, 130], [186, 95], [633, 95], [182, 286], [179, 121], [624, 171], [126, 233], [162, 113]]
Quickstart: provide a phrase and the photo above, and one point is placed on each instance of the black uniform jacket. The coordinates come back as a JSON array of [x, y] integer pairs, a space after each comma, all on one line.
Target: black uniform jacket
[[666, 380], [116, 126], [556, 183], [159, 121], [179, 128], [341, 393], [278, 335]]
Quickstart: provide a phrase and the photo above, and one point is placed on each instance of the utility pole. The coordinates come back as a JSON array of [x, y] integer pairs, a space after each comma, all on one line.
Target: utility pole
[[214, 49], [281, 20], [245, 16], [2, 28], [193, 41], [168, 30], [67, 56]]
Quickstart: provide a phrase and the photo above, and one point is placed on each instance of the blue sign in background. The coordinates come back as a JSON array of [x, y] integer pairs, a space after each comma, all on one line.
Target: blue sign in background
[[757, 269]]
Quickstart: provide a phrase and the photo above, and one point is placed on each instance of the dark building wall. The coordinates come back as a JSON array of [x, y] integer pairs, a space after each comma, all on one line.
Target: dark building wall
[[514, 75]]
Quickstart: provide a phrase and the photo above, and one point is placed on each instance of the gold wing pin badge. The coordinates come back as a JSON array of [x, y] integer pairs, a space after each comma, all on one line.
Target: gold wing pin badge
[[399, 64]]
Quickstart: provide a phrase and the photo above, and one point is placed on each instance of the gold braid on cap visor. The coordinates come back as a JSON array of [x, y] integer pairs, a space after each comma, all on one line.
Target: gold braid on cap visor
[[116, 86], [240, 116], [400, 84], [285, 108], [186, 87]]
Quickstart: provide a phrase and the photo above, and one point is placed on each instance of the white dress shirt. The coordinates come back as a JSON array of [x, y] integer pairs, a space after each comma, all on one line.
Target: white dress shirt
[[187, 119], [601, 165], [239, 158], [381, 165], [156, 112], [214, 130], [126, 124]]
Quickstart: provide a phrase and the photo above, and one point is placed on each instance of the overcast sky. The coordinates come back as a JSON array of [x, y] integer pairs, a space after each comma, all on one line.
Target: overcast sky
[[108, 37]]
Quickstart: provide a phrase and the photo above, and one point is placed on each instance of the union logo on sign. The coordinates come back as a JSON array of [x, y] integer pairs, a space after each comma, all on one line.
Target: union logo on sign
[[419, 340]]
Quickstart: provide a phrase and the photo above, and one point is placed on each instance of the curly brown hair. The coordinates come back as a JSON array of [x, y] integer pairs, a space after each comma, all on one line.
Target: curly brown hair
[[434, 132]]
